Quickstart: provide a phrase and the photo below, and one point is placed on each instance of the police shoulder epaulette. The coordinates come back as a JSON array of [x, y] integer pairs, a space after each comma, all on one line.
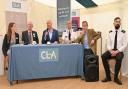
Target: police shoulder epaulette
[[110, 31], [123, 31]]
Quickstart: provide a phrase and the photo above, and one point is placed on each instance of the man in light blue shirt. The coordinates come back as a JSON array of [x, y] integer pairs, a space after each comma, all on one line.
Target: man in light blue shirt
[[86, 46], [50, 35], [88, 38]]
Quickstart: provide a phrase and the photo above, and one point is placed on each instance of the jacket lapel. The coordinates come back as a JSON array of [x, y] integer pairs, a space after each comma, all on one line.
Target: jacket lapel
[[27, 37], [33, 35], [16, 38]]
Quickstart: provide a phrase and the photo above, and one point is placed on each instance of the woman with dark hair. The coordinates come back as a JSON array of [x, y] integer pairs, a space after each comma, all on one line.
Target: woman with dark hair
[[10, 39]]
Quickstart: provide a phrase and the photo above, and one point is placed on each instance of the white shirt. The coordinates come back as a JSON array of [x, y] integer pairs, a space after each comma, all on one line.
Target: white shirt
[[86, 45], [65, 36], [121, 40], [50, 34]]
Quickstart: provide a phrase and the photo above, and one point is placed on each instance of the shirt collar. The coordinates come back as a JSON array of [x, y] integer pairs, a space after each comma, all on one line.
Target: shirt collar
[[51, 30], [117, 30], [29, 31], [67, 30]]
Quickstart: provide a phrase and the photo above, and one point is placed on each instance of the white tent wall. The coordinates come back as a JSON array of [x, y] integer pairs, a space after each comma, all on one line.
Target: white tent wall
[[101, 19]]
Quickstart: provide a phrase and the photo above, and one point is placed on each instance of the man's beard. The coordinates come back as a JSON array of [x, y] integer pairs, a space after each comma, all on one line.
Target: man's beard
[[117, 26]]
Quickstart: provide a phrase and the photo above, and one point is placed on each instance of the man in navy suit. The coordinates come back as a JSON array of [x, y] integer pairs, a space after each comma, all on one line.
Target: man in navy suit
[[50, 34], [29, 35]]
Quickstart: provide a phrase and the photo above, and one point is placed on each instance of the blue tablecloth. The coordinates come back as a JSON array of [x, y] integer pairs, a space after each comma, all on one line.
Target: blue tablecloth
[[24, 62]]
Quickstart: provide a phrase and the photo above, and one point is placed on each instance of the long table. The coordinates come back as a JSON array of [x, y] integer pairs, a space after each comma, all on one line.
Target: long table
[[45, 61]]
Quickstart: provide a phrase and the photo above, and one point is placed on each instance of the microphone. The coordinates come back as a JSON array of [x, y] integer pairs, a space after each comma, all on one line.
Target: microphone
[[46, 34]]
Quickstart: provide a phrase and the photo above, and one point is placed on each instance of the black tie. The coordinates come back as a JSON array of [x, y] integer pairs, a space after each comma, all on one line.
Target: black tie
[[69, 36], [115, 42]]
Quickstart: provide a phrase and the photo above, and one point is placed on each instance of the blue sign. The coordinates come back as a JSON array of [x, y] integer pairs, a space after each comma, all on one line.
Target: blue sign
[[48, 54]]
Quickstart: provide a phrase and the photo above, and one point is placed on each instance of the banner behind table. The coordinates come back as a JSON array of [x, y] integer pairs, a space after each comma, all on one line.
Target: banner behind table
[[75, 23], [63, 14]]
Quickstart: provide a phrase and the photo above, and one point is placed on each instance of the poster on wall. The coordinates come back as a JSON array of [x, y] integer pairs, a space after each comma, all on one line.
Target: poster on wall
[[75, 23], [63, 14], [16, 5], [16, 11]]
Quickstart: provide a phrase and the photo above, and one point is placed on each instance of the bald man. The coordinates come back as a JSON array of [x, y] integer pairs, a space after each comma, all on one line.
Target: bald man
[[29, 36], [50, 35]]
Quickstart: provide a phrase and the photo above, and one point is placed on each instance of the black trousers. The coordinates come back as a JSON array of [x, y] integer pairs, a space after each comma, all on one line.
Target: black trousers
[[106, 57], [86, 52]]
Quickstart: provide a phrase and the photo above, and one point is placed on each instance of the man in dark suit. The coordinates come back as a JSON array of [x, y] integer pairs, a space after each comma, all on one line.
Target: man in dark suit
[[50, 34], [29, 36]]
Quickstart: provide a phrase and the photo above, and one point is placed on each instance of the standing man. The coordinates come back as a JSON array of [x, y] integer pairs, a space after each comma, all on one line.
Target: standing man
[[88, 38], [115, 46], [29, 35], [50, 34], [69, 35]]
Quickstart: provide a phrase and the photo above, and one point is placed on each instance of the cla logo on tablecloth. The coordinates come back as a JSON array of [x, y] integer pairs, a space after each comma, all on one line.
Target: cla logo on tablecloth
[[48, 54]]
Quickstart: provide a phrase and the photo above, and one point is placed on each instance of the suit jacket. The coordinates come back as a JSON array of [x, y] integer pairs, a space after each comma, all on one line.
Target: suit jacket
[[92, 35], [6, 44], [55, 37], [25, 37]]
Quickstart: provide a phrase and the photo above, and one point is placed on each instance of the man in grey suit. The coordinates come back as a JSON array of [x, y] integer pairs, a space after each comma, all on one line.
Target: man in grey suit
[[29, 36]]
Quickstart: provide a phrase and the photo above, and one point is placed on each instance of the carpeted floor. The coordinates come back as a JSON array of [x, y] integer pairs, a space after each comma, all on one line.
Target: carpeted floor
[[63, 83]]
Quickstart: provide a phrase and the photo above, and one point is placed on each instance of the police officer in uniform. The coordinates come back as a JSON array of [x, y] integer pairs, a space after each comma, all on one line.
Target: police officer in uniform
[[69, 35], [115, 46]]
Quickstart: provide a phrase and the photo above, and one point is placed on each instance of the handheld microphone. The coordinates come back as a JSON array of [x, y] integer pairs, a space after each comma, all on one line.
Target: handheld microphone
[[46, 33]]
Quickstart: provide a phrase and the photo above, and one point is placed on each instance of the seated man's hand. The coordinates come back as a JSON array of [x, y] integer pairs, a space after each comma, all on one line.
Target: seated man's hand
[[114, 53], [92, 42], [82, 33]]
